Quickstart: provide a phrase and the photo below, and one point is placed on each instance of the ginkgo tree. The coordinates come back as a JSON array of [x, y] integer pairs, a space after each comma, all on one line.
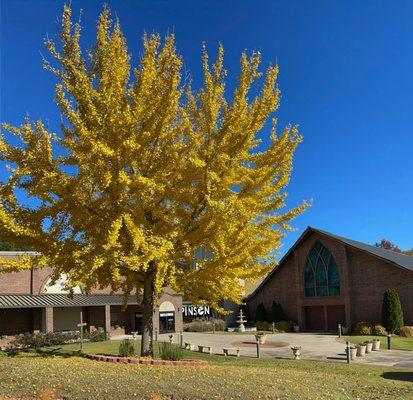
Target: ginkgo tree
[[145, 170]]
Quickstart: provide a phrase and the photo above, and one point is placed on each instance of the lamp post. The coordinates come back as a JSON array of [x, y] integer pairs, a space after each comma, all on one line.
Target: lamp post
[[389, 341], [258, 349]]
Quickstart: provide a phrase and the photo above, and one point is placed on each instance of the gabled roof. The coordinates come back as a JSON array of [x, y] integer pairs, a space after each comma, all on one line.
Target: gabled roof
[[399, 259]]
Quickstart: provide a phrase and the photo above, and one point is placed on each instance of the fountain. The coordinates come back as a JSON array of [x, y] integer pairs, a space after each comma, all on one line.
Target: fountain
[[241, 321]]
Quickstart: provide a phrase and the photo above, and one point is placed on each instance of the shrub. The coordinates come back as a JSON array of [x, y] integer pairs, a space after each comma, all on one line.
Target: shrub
[[127, 348], [378, 330], [362, 328], [97, 336], [169, 351], [37, 340], [261, 313], [392, 313], [220, 324], [277, 312], [204, 326], [285, 326], [264, 326], [406, 331]]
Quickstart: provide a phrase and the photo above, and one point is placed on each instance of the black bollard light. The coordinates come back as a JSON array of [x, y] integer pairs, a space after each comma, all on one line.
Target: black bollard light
[[389, 341], [156, 334], [181, 338], [348, 352]]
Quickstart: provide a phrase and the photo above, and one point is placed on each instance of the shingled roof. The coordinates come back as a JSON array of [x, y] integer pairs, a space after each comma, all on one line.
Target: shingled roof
[[399, 259], [403, 260], [61, 300]]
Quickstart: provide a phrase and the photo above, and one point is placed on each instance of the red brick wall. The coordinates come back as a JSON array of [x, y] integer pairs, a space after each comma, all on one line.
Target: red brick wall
[[283, 288], [370, 277]]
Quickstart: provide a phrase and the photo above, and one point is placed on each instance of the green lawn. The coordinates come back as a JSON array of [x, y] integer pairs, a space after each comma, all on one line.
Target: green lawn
[[31, 375], [398, 342]]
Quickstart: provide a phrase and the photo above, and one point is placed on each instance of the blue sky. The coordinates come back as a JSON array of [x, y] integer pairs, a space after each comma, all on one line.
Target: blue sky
[[346, 78]]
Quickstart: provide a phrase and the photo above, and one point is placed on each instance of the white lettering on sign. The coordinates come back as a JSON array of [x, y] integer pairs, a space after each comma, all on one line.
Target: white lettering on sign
[[193, 311]]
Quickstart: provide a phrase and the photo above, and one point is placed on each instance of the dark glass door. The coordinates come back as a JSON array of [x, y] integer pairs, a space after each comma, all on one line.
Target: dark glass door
[[166, 322], [138, 323]]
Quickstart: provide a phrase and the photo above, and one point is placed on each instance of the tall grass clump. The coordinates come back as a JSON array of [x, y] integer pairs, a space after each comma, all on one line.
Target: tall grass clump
[[169, 351], [127, 348]]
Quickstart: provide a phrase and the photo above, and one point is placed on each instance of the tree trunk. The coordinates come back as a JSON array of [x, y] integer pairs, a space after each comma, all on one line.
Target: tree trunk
[[148, 304]]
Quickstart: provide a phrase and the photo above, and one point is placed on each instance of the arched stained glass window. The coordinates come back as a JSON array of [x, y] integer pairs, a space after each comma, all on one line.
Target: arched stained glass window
[[321, 273]]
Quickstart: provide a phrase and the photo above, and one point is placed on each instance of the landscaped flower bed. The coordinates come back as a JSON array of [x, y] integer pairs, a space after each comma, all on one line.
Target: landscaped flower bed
[[145, 360]]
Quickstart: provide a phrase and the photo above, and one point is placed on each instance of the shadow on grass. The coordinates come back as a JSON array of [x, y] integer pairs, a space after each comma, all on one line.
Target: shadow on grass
[[45, 352], [398, 376]]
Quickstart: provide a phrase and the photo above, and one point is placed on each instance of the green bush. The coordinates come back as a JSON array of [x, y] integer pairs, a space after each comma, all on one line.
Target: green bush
[[284, 326], [378, 330], [169, 351], [127, 348], [392, 313], [264, 326], [406, 331], [261, 313], [362, 328], [277, 312]]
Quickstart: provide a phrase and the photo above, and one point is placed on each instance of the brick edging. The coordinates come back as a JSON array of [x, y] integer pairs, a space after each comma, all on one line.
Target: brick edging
[[144, 361]]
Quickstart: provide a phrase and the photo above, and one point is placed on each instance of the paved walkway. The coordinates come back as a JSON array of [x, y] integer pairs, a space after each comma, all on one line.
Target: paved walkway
[[313, 347]]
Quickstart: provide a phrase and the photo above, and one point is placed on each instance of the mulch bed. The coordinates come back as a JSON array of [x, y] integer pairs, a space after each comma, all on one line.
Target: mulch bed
[[271, 345], [145, 361]]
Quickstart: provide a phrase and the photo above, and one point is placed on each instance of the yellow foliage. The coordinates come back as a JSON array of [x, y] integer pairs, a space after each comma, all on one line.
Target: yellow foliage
[[145, 170]]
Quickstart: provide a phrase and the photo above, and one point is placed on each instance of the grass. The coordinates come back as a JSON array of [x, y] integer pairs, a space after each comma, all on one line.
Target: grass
[[398, 342], [59, 375]]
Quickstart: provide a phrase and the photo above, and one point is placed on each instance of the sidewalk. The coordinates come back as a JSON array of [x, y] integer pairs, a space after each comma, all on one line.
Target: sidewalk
[[313, 347]]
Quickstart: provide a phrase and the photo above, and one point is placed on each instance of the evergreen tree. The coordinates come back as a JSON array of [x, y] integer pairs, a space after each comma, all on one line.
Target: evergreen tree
[[392, 313], [261, 314], [277, 312]]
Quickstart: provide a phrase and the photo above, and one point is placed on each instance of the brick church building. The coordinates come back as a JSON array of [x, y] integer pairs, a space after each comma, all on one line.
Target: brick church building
[[325, 279], [30, 302]]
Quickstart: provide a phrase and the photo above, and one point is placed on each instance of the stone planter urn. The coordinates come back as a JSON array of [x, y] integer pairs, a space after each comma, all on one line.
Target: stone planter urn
[[344, 330], [296, 352], [353, 352], [361, 350], [376, 345], [296, 328], [369, 347], [261, 338]]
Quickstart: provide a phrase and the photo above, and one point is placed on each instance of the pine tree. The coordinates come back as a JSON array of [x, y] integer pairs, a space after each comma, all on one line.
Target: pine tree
[[261, 314], [277, 312], [392, 313], [145, 170]]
